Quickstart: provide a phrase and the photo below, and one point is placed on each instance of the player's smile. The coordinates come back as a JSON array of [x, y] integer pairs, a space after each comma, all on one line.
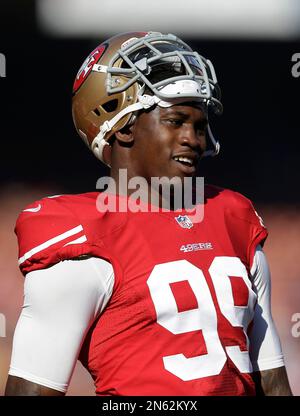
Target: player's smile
[[187, 161]]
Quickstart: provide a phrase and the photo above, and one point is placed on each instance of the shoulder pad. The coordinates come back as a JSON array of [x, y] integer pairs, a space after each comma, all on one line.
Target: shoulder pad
[[46, 230]]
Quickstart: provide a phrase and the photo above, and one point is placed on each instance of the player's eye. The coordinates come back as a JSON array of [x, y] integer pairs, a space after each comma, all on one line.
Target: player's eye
[[175, 121]]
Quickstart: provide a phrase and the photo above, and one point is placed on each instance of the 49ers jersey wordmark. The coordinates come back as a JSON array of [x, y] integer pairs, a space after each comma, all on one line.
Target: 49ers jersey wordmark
[[182, 305]]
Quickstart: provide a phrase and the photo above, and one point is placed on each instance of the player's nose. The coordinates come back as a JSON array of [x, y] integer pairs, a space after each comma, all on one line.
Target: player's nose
[[191, 137]]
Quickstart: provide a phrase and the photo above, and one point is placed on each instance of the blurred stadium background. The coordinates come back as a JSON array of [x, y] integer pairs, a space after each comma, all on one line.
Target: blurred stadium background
[[251, 44]]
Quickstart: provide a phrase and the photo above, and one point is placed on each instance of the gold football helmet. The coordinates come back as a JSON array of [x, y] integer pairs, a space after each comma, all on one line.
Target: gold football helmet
[[134, 71]]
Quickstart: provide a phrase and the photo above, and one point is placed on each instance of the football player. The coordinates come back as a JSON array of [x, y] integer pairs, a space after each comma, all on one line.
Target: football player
[[152, 301]]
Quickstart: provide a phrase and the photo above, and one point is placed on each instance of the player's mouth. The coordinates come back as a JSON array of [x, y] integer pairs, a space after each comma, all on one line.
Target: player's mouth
[[187, 162]]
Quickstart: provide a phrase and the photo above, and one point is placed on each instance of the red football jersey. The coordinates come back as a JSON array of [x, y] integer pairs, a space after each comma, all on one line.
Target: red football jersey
[[177, 320]]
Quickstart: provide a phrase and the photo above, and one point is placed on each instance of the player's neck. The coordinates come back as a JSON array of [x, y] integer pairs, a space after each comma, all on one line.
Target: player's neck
[[165, 193]]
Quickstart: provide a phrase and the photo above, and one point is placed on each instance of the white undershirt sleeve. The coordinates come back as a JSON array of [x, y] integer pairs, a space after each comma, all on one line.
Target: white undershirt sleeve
[[265, 348], [60, 304]]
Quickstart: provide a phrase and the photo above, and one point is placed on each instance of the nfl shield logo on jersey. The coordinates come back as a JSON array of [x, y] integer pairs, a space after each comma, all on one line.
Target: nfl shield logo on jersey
[[184, 221]]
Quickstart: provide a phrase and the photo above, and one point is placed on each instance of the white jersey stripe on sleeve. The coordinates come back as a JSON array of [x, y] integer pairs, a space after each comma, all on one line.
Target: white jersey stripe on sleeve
[[50, 242]]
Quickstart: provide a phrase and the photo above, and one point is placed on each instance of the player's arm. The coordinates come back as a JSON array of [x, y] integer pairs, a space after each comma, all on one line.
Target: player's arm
[[17, 386], [272, 382], [60, 304], [270, 374]]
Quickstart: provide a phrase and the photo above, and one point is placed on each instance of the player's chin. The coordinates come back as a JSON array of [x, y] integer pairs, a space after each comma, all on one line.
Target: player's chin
[[174, 180]]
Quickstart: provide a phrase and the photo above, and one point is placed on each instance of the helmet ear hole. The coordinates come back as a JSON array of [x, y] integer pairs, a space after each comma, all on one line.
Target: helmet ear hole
[[108, 107], [111, 105], [97, 112]]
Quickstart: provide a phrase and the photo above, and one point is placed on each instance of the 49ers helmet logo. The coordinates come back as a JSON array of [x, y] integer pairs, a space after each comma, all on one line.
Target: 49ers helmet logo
[[87, 66]]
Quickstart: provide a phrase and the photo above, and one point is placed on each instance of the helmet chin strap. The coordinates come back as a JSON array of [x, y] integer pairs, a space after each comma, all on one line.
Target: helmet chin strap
[[185, 89]]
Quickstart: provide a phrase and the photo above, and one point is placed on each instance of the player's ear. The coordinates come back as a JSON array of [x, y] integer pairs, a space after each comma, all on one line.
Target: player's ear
[[125, 135]]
